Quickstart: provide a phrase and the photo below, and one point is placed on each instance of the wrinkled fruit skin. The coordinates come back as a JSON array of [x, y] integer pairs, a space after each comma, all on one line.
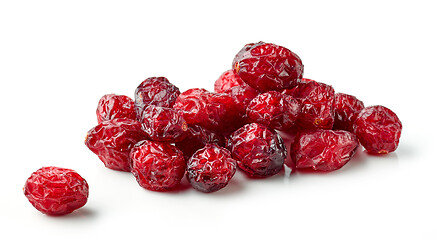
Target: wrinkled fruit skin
[[378, 129], [157, 166], [274, 109], [317, 104], [227, 81], [156, 91], [266, 66], [346, 110], [323, 150], [214, 111], [112, 141], [210, 168], [163, 124], [56, 191], [196, 138], [113, 106], [242, 96], [259, 151]]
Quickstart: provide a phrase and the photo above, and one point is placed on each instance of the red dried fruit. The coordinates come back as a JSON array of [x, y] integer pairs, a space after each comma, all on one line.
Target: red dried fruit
[[227, 81], [346, 110], [210, 168], [242, 96], [163, 124], [259, 151], [197, 137], [214, 111], [378, 129], [317, 101], [157, 166], [113, 106], [112, 141], [273, 109], [266, 66], [56, 191], [323, 150], [156, 91]]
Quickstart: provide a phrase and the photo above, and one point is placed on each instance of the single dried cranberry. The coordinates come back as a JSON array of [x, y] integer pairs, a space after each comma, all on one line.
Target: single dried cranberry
[[157, 166], [346, 110], [242, 96], [112, 141], [276, 110], [214, 111], [259, 151], [163, 124], [378, 129], [56, 191], [266, 66], [197, 137], [156, 91], [323, 150], [210, 168], [317, 101], [227, 81], [112, 106]]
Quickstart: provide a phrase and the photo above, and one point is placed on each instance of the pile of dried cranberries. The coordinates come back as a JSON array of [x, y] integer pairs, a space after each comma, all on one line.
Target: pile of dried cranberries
[[163, 135]]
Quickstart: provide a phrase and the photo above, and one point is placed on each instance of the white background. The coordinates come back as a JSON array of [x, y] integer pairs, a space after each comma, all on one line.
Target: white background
[[57, 58]]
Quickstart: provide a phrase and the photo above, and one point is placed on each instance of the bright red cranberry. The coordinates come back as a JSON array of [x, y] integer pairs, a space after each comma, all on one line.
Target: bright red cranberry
[[275, 110], [210, 168], [157, 166], [197, 137], [259, 151], [163, 124], [346, 110], [323, 150], [112, 106], [112, 141], [266, 66], [227, 81], [156, 91], [56, 191], [378, 129]]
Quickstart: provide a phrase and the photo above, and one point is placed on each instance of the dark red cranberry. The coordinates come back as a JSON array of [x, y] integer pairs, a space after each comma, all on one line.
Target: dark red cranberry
[[56, 191], [112, 106], [227, 81], [157, 166], [197, 137], [156, 91], [275, 110], [163, 124], [323, 150], [266, 66], [317, 101], [112, 141], [210, 168], [346, 110], [378, 129], [242, 96], [259, 151]]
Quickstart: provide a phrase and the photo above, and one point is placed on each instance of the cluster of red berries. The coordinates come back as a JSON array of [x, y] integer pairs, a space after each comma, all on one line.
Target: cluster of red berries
[[163, 135]]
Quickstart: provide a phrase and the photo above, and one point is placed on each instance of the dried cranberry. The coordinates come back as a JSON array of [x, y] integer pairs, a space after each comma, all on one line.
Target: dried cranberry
[[242, 96], [259, 151], [323, 150], [378, 129], [210, 168], [317, 101], [227, 81], [157, 166], [197, 137], [346, 110], [56, 191], [192, 103], [266, 66], [112, 106], [156, 91], [112, 141], [163, 124], [276, 110]]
